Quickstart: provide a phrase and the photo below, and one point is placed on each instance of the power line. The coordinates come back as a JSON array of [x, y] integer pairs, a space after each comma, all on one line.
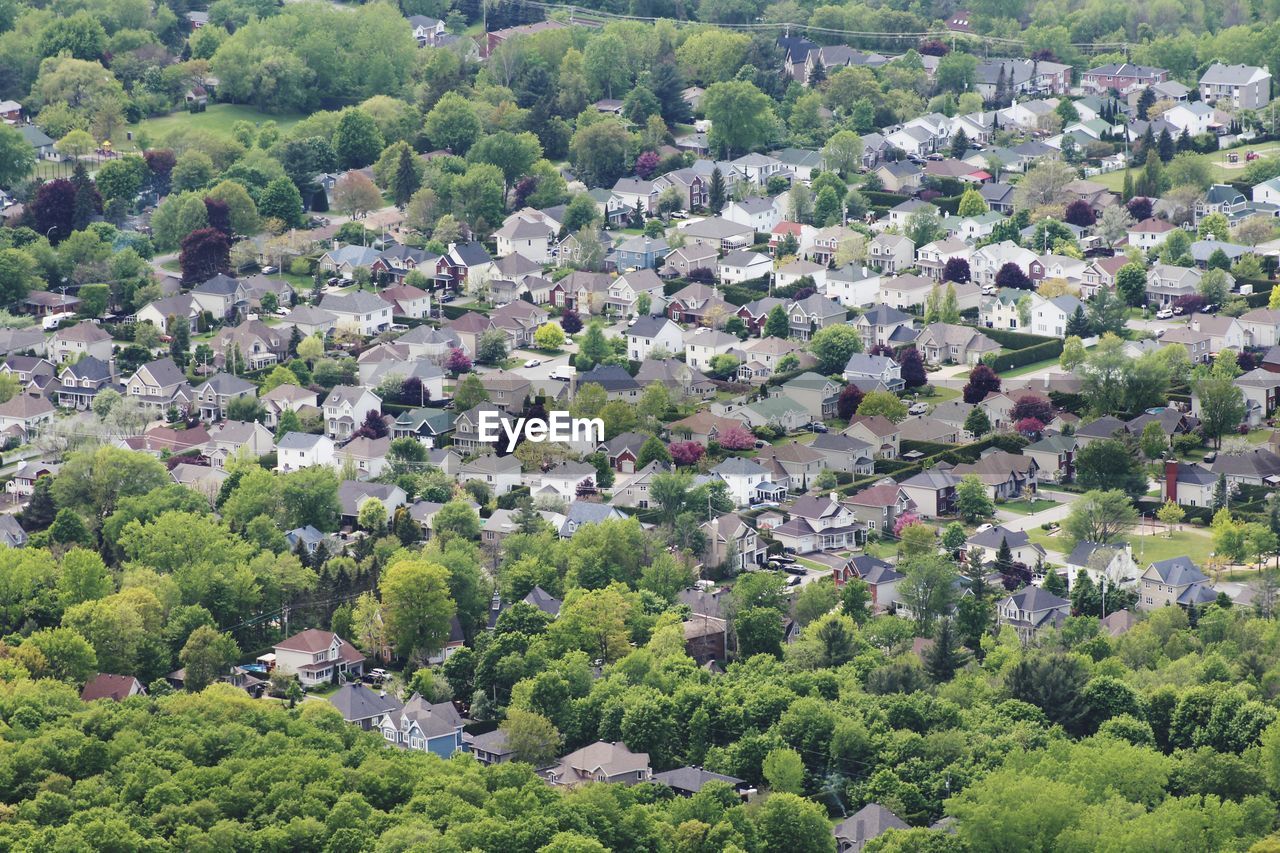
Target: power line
[[587, 15]]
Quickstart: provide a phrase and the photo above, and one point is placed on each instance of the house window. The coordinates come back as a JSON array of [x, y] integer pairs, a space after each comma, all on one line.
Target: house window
[[389, 734]]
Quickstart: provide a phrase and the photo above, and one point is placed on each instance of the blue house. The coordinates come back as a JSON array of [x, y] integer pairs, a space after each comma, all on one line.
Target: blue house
[[423, 726], [640, 253]]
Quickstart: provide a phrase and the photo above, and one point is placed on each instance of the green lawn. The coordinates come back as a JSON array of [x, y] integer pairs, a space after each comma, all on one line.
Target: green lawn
[[218, 119], [1027, 507], [1216, 161], [1192, 542], [1027, 368]]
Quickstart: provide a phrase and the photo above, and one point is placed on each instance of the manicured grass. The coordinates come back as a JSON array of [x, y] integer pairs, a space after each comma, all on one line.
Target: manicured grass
[[1026, 507], [1215, 161], [1192, 542], [1028, 368], [942, 395], [812, 566], [218, 118]]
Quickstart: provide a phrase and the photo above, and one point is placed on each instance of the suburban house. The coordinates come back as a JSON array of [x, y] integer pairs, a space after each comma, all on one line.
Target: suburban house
[[423, 726], [117, 688], [345, 409], [942, 343], [933, 491], [986, 544], [316, 657], [650, 334], [820, 523], [873, 369], [160, 384], [1112, 561], [1236, 87], [298, 450], [1176, 580], [218, 392], [1032, 610], [600, 762], [82, 339], [878, 506], [360, 313], [729, 536]]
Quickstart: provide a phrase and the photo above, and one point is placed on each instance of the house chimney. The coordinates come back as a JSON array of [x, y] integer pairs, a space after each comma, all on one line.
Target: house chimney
[[1171, 480]]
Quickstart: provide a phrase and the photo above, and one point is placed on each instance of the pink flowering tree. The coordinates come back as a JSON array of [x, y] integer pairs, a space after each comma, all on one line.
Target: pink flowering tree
[[905, 520], [736, 438], [646, 164]]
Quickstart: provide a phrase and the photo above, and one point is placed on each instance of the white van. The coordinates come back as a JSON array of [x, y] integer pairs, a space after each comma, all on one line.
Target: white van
[[564, 373], [52, 321]]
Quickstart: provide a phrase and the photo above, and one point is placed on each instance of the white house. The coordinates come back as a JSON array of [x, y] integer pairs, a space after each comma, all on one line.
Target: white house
[[346, 407], [316, 657], [1150, 233], [1049, 316], [742, 265], [1194, 118], [531, 238], [298, 450], [360, 313], [741, 477], [653, 333], [758, 214], [853, 285], [703, 344]]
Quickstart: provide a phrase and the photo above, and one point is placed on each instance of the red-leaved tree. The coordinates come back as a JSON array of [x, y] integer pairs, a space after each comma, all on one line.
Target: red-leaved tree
[[570, 322], [457, 362], [205, 253], [849, 401], [1032, 406], [982, 381], [913, 375], [685, 452]]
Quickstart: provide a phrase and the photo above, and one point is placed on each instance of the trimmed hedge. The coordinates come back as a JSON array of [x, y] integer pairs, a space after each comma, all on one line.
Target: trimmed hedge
[[453, 312], [1009, 339], [1022, 357], [928, 448], [967, 453], [879, 198]]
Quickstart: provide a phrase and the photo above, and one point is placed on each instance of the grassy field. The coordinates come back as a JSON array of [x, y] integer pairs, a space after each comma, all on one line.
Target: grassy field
[[218, 118], [1026, 507], [1192, 542], [1216, 160]]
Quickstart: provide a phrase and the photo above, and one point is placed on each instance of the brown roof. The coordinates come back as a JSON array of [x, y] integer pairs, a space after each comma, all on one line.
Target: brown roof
[[879, 495], [310, 641], [113, 687], [878, 424]]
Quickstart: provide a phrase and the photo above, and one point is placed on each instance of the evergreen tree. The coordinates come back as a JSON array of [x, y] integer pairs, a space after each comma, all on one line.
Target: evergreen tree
[[406, 180], [959, 144], [817, 74], [1145, 100], [977, 423], [1126, 191], [716, 192], [1004, 558], [1220, 493], [1166, 146], [86, 203], [1085, 598], [1054, 583], [1184, 140], [943, 658], [1078, 323], [777, 325]]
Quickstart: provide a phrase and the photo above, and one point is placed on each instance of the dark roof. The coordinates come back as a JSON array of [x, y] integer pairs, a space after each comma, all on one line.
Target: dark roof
[[543, 600], [1178, 571], [1083, 553], [692, 779], [357, 702], [993, 537], [1034, 599]]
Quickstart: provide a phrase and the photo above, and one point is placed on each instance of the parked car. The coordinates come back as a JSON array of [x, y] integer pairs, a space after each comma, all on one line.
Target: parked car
[[1164, 313], [1211, 456], [268, 270], [918, 408], [533, 362], [761, 444], [793, 569], [818, 426]]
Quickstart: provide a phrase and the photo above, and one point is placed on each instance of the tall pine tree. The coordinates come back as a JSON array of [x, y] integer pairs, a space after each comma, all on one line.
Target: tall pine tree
[[943, 658], [716, 192], [406, 178], [86, 202]]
